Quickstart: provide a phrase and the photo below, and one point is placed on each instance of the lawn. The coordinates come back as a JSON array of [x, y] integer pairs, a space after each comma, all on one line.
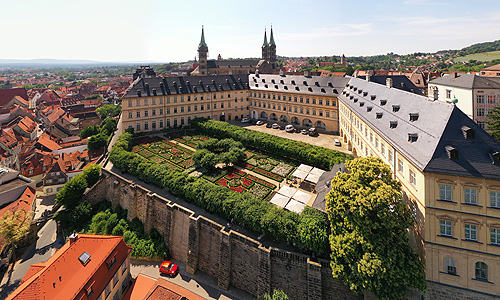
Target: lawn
[[486, 56]]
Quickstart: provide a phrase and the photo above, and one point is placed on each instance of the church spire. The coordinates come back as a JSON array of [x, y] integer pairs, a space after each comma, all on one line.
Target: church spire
[[265, 39], [202, 42], [271, 38]]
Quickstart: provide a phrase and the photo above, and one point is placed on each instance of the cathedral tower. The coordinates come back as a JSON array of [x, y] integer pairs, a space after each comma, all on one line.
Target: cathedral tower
[[203, 54], [271, 56], [265, 46]]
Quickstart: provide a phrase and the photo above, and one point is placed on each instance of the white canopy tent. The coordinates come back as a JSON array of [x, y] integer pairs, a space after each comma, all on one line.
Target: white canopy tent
[[312, 178], [305, 168], [287, 191], [300, 174], [280, 200], [317, 171], [301, 197], [295, 206]]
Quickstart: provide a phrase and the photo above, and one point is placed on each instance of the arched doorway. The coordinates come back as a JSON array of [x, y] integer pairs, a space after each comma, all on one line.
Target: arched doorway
[[307, 122], [255, 114], [236, 117], [295, 121], [222, 117], [263, 115], [284, 118], [320, 125], [273, 117]]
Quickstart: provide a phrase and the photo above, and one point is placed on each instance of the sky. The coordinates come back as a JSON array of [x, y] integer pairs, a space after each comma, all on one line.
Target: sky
[[169, 31]]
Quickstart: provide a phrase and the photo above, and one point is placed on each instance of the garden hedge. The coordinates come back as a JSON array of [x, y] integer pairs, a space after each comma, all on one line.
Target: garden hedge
[[247, 211], [314, 155]]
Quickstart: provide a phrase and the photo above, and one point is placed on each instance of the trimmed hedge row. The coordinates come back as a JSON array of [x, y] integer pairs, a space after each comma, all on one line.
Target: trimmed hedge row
[[318, 156], [247, 211]]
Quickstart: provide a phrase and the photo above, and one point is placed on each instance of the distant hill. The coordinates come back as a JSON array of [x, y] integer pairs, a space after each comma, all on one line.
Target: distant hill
[[46, 62], [485, 57], [481, 48]]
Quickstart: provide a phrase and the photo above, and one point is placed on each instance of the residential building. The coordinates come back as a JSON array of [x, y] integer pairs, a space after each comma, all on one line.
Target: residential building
[[145, 287], [10, 97], [449, 168], [92, 267], [267, 64], [155, 103], [304, 101], [474, 95], [13, 185], [493, 71]]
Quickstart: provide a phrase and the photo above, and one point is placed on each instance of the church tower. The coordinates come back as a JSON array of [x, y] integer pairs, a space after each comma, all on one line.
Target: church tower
[[203, 54], [271, 56], [265, 46]]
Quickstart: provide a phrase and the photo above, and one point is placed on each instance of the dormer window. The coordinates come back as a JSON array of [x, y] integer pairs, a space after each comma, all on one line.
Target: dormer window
[[111, 262], [263, 80], [383, 102], [355, 100], [293, 82], [343, 92], [351, 87], [335, 91], [393, 124], [297, 88], [369, 108], [496, 157], [395, 108], [310, 89], [305, 83], [347, 94], [285, 87], [452, 152], [276, 86], [272, 80], [355, 88], [468, 132], [360, 91], [412, 137], [351, 97], [330, 84], [373, 97], [323, 90], [379, 115], [413, 117], [365, 94], [265, 85], [361, 104], [282, 82], [347, 85]]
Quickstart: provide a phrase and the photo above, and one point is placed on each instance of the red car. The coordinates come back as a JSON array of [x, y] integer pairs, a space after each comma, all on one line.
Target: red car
[[168, 268]]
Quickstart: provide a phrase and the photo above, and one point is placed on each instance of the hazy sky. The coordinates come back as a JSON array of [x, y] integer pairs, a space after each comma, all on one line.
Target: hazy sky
[[166, 31]]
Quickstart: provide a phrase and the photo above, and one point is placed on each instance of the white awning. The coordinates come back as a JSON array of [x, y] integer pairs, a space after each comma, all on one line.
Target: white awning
[[300, 174], [280, 200], [312, 178], [287, 191], [295, 206], [305, 168], [317, 171], [301, 196]]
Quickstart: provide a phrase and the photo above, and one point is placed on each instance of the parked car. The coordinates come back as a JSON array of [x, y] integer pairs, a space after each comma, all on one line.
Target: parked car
[[313, 131], [276, 126], [168, 268], [282, 127], [336, 142], [304, 131], [289, 128], [245, 120], [259, 123], [269, 125]]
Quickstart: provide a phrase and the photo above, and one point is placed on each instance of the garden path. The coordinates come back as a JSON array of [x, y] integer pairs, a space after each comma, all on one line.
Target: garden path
[[276, 183]]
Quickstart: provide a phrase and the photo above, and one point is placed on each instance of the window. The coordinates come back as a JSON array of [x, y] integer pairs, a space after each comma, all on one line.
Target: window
[[89, 291], [153, 112], [491, 99], [445, 227], [108, 289], [138, 102], [161, 111], [130, 115], [495, 236], [123, 267], [495, 199], [448, 94], [146, 126], [480, 99], [382, 149], [175, 110], [391, 157], [327, 114], [145, 101], [480, 112], [138, 127], [470, 196], [450, 266], [146, 113], [413, 178], [124, 285], [161, 123], [153, 101], [400, 166], [161, 100], [328, 102], [115, 279], [111, 262], [138, 114], [129, 103], [445, 192], [470, 232], [481, 271]]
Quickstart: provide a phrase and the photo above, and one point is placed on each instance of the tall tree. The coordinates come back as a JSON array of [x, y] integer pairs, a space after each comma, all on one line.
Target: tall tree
[[15, 226], [369, 232], [494, 124]]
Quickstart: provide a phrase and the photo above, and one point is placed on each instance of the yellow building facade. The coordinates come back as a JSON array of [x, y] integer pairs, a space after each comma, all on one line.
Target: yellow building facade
[[449, 169]]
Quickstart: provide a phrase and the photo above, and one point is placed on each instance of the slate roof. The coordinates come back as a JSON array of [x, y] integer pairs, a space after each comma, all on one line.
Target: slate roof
[[438, 125], [7, 94], [186, 85], [298, 84], [468, 81], [400, 82], [492, 68]]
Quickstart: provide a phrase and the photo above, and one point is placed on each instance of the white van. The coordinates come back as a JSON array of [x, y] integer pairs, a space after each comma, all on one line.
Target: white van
[[289, 128], [336, 142]]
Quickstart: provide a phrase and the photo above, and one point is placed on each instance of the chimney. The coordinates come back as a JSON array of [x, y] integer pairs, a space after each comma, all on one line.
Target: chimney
[[388, 83], [368, 77], [281, 72], [306, 73], [455, 74], [73, 237]]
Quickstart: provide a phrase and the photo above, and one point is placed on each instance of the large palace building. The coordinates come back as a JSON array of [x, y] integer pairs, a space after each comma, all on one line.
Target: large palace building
[[449, 167]]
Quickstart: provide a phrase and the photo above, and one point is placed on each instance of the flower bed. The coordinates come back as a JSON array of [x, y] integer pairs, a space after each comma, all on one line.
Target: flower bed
[[258, 180], [270, 196], [246, 166], [268, 174], [223, 182], [145, 153], [238, 189], [187, 163], [246, 182], [282, 169], [258, 191]]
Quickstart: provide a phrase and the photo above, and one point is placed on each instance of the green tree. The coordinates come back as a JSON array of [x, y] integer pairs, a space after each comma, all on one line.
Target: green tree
[[312, 229], [72, 191], [89, 131], [108, 125], [277, 295], [494, 124], [14, 226], [92, 174], [97, 141], [369, 232]]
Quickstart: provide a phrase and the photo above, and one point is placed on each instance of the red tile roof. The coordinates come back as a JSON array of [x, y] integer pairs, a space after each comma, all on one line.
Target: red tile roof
[[147, 288], [63, 276], [47, 142], [25, 202], [7, 94]]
